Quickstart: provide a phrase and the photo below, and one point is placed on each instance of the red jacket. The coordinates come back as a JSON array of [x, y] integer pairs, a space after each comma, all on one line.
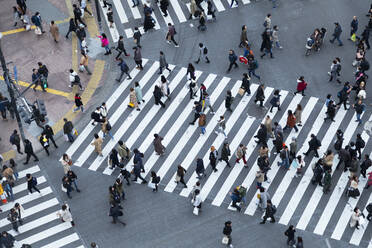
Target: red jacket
[[370, 179], [301, 85]]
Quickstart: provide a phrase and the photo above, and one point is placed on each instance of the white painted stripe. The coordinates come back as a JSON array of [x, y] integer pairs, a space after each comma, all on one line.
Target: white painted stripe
[[63, 241], [317, 194], [119, 8], [23, 186], [358, 234], [176, 125], [28, 198], [135, 11], [190, 158], [46, 233], [113, 31], [109, 103], [123, 128], [219, 5], [249, 120], [128, 33], [252, 206], [178, 148], [224, 190], [306, 178], [351, 203], [80, 246], [35, 209], [167, 19], [178, 10], [246, 1], [28, 226], [285, 182], [117, 114], [150, 115], [30, 170]]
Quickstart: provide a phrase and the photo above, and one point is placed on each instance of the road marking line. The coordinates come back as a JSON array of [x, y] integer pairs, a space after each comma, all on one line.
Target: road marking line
[[63, 241], [119, 8], [46, 233], [113, 31], [178, 10], [28, 198]]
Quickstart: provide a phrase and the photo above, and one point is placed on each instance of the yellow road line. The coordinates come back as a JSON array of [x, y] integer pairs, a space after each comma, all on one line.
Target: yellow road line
[[8, 155], [91, 23], [51, 91], [18, 30]]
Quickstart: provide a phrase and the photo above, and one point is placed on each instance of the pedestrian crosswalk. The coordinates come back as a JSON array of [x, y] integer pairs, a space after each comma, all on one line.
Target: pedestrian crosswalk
[[298, 202], [41, 225], [127, 17]]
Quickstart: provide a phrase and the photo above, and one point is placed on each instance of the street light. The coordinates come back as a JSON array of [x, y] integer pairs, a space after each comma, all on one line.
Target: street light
[[8, 82]]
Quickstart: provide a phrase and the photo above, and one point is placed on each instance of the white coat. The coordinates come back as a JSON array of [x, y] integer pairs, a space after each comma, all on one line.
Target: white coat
[[65, 215], [354, 218]]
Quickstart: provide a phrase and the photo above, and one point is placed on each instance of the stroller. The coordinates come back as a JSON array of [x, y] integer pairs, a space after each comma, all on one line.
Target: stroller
[[315, 41]]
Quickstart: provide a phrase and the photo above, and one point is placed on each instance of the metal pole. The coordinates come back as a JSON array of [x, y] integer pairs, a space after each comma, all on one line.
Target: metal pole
[[98, 14], [13, 103]]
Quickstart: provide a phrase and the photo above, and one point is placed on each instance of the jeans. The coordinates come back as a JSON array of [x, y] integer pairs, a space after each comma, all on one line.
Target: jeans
[[9, 192], [107, 49], [70, 137], [135, 2], [277, 44], [336, 38], [358, 118], [202, 130], [75, 184], [285, 163], [81, 108], [15, 174], [109, 133]]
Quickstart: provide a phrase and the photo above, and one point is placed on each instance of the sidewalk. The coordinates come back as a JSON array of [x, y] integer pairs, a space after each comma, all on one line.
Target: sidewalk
[[25, 49]]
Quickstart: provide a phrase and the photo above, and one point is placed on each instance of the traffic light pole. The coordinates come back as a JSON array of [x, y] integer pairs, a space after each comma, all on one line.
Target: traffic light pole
[[13, 103]]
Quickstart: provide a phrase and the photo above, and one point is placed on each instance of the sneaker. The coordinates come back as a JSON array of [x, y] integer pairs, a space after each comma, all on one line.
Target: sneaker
[[177, 46], [168, 42]]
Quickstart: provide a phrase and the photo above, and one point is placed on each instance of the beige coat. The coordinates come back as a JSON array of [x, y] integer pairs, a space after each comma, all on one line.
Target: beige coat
[[104, 127], [263, 151], [97, 143], [122, 151], [240, 152], [269, 126], [133, 99], [298, 114], [8, 173], [328, 160], [66, 166], [193, 7], [84, 60], [54, 31], [260, 176]]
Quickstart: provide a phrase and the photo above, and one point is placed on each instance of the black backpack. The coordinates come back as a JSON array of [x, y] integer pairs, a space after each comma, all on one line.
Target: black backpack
[[77, 79], [362, 143], [205, 50], [273, 207], [108, 126]]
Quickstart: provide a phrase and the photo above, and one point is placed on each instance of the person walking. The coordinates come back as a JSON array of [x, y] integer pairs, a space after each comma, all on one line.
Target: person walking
[[138, 159], [44, 143], [20, 211], [155, 180], [124, 151], [190, 72], [72, 177], [228, 100], [77, 15], [235, 198], [200, 169], [158, 146], [275, 101], [359, 107], [120, 48], [171, 33], [124, 70], [221, 126], [327, 180], [54, 31], [118, 185], [211, 9], [197, 110], [115, 213], [81, 34], [298, 115], [243, 36], [334, 73], [72, 27], [365, 165], [261, 135], [133, 102], [67, 130], [180, 175], [284, 155], [290, 233], [31, 183], [232, 59], [336, 34], [301, 86], [269, 213], [158, 95], [84, 62], [266, 45], [36, 20], [138, 91], [355, 218], [203, 53], [240, 154], [113, 159], [29, 151], [275, 37], [104, 43], [137, 36], [354, 27], [138, 57], [163, 63], [202, 26], [106, 128], [16, 141], [314, 145], [225, 153], [65, 214], [110, 17], [66, 163], [164, 7], [260, 95], [97, 143], [213, 154], [252, 66], [78, 103], [359, 144], [246, 84], [96, 116], [202, 123], [291, 122], [365, 37], [207, 102], [227, 230]]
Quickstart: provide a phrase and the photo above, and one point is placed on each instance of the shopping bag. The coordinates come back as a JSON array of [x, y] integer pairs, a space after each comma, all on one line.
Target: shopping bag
[[151, 185], [243, 59], [294, 164], [66, 137], [28, 27], [131, 105], [63, 188], [353, 37], [196, 211], [76, 132], [37, 31], [225, 240], [241, 91]]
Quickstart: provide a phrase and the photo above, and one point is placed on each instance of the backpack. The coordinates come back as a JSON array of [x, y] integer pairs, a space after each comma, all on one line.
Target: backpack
[[265, 24], [255, 64], [108, 126], [157, 179], [205, 50], [273, 208], [369, 208], [242, 191], [338, 69], [77, 79], [362, 143], [34, 181]]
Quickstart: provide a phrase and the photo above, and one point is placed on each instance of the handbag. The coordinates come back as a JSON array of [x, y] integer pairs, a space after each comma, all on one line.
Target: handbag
[[178, 178], [131, 105], [196, 211], [63, 188], [151, 185], [225, 240], [75, 132], [353, 37], [37, 31], [69, 162], [241, 91], [168, 37]]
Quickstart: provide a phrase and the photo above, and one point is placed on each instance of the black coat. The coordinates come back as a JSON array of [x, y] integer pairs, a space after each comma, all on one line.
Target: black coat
[[314, 143], [115, 211], [7, 241], [200, 166], [49, 132], [28, 147], [67, 127], [228, 101], [344, 155], [290, 233], [262, 134], [366, 164], [225, 153], [266, 42], [260, 95], [245, 83], [359, 143], [227, 230]]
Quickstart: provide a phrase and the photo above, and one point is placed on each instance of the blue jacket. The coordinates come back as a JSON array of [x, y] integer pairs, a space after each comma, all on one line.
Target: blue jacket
[[232, 57], [123, 66], [36, 20]]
